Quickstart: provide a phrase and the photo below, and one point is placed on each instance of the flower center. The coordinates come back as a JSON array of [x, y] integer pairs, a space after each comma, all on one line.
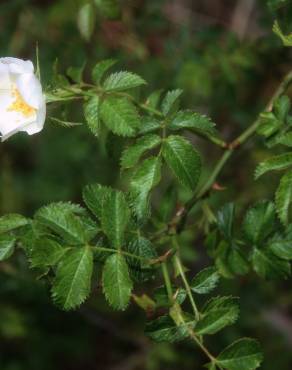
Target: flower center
[[19, 105]]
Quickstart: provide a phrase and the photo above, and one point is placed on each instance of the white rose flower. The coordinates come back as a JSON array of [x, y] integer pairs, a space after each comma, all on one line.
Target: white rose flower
[[22, 102]]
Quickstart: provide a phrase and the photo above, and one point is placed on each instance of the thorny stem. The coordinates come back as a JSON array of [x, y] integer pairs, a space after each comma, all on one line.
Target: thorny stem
[[178, 222]]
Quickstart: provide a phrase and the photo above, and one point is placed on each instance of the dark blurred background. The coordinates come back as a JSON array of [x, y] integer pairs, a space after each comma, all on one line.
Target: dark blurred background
[[224, 56]]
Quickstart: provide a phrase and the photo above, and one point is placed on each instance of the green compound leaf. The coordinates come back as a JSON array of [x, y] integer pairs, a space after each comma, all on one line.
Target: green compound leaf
[[73, 278], [121, 81], [267, 265], [86, 20], [120, 116], [244, 354], [101, 68], [195, 122], [205, 281], [91, 113], [217, 313], [117, 285], [259, 222], [93, 196], [276, 163], [286, 39], [164, 329], [283, 197], [183, 160], [11, 222], [115, 215], [131, 155], [7, 244]]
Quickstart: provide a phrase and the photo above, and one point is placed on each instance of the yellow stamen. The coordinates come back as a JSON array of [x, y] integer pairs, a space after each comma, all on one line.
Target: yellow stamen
[[19, 105]]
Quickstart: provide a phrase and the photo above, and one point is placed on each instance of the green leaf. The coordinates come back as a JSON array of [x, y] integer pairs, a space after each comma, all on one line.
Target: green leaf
[[259, 222], [120, 116], [283, 197], [282, 107], [100, 69], [147, 175], [144, 179], [115, 215], [148, 125], [268, 265], [73, 278], [86, 20], [269, 124], [171, 101], [11, 222], [183, 160], [61, 219], [244, 354], [93, 196], [195, 122], [161, 296], [143, 248], [91, 112], [225, 219], [285, 139], [286, 39], [131, 155], [153, 99], [7, 244], [164, 329], [117, 285], [230, 259], [121, 81], [46, 252], [276, 163], [282, 248], [205, 281], [217, 313], [237, 260], [76, 73]]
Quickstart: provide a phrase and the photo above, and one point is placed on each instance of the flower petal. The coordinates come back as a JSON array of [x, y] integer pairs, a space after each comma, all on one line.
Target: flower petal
[[16, 65], [4, 77], [38, 125], [30, 89]]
